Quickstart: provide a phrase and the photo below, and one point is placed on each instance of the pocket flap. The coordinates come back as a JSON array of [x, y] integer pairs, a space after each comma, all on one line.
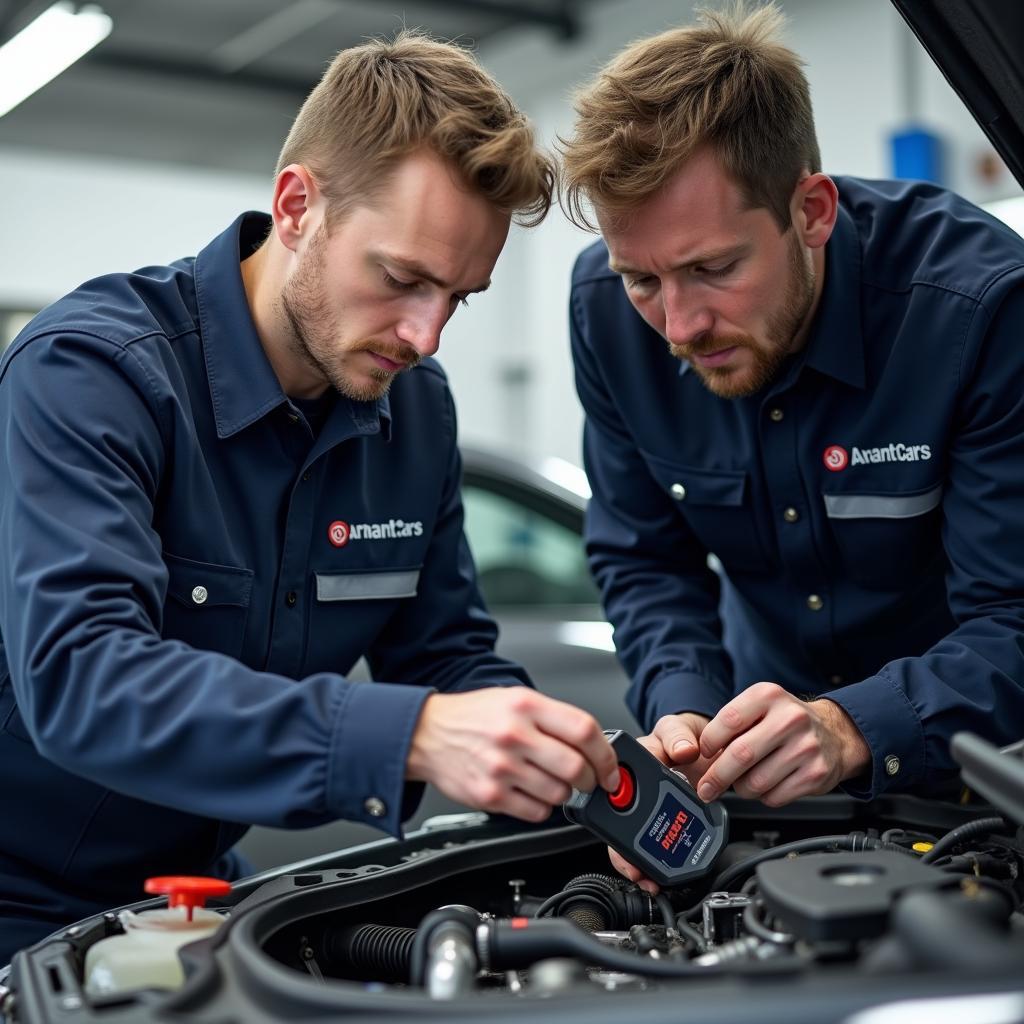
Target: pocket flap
[[698, 486], [882, 506], [366, 586], [207, 584]]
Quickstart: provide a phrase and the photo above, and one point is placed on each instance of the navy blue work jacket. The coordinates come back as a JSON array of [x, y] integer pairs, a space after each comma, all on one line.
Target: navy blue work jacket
[[867, 507], [188, 574]]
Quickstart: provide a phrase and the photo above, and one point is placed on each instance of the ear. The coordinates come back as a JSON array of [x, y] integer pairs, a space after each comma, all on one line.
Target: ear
[[297, 205], [814, 207]]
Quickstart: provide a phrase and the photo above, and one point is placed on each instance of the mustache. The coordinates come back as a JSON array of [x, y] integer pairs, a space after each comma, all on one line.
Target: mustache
[[706, 345], [404, 354]]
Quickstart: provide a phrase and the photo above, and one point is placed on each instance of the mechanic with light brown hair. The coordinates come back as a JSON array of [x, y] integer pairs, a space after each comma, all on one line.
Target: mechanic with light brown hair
[[223, 482], [817, 381]]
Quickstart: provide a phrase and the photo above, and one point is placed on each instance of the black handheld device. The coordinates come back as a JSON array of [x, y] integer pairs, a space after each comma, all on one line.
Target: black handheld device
[[654, 819]]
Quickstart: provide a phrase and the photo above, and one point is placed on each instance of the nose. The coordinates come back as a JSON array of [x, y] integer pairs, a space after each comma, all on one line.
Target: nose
[[421, 327], [687, 318]]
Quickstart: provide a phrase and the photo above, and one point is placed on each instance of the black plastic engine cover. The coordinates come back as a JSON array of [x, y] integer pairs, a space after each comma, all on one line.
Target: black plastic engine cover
[[841, 896]]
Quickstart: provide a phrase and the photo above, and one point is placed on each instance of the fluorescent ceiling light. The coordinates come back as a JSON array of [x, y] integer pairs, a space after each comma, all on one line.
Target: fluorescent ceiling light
[[45, 47]]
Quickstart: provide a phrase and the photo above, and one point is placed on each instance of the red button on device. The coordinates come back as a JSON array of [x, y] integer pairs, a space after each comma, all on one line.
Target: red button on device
[[623, 796]]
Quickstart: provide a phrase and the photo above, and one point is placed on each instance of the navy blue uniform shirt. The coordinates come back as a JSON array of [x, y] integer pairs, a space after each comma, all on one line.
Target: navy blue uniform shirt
[[188, 574], [867, 507]]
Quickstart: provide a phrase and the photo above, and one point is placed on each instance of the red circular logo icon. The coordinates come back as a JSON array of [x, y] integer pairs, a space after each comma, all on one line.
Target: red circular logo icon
[[338, 533], [836, 458]]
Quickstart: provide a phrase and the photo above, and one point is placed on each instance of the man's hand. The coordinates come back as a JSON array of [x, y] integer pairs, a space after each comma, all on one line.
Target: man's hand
[[509, 750], [773, 747], [675, 741]]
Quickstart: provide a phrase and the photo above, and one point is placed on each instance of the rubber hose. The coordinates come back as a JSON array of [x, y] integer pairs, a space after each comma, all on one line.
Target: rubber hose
[[960, 835], [381, 949], [941, 933]]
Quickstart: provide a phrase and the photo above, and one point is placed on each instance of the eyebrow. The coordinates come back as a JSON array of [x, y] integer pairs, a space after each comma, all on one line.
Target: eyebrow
[[732, 251], [417, 269]]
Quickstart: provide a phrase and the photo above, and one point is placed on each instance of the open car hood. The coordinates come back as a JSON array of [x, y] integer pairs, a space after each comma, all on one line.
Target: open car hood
[[979, 46]]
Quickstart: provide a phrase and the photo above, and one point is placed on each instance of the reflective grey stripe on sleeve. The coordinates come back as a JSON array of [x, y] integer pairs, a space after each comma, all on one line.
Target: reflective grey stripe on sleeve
[[881, 506], [366, 586]]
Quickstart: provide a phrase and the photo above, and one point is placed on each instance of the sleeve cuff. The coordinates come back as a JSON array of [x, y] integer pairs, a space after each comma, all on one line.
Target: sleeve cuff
[[892, 730], [366, 767], [676, 692]]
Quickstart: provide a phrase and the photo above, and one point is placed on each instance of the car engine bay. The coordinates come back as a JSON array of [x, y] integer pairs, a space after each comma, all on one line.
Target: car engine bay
[[817, 912]]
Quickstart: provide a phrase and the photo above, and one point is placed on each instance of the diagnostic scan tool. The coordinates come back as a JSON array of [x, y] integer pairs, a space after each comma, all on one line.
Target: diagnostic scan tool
[[654, 819]]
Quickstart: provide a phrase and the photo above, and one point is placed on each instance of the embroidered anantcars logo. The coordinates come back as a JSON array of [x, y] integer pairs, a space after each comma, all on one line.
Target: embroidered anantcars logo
[[837, 458], [339, 533]]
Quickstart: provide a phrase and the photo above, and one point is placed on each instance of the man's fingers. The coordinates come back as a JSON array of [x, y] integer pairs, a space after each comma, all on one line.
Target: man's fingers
[[679, 738], [769, 772], [541, 785], [738, 716], [575, 728], [634, 874], [623, 866], [560, 763], [653, 744], [523, 806], [738, 758]]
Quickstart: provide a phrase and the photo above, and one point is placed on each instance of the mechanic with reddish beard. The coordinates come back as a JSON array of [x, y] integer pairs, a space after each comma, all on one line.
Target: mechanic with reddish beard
[[837, 417], [223, 482]]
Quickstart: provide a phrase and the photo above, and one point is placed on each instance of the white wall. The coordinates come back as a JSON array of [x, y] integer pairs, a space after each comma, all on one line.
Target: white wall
[[66, 220], [69, 219]]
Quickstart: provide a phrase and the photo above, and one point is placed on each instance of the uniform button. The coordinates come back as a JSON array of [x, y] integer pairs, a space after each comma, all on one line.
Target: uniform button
[[290, 598], [305, 476], [775, 415], [892, 765], [293, 417], [835, 680], [815, 603], [678, 491], [791, 515], [199, 595], [375, 807]]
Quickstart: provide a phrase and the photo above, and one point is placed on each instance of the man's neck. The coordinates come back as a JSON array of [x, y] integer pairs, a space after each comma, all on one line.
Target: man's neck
[[818, 269], [262, 278]]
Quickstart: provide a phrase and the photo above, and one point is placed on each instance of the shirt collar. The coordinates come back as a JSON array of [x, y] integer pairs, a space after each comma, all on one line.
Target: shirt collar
[[835, 345], [243, 385]]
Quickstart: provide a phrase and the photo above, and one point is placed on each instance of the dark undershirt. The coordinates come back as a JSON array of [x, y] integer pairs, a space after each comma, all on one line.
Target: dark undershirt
[[316, 410]]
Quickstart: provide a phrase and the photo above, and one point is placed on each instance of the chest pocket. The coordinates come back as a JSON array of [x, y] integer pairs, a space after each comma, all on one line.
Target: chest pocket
[[207, 604], [885, 539], [349, 610], [717, 506]]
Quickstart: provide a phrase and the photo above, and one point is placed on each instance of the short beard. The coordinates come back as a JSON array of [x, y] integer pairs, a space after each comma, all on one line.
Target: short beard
[[782, 327], [314, 331]]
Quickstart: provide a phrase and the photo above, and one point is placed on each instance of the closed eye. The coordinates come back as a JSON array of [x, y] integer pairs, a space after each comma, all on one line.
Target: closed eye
[[720, 271], [393, 282], [642, 283]]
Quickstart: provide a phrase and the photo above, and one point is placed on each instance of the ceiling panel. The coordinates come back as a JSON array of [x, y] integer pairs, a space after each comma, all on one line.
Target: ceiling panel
[[217, 82]]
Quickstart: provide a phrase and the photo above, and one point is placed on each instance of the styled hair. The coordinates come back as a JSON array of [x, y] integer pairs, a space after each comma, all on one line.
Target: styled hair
[[726, 83], [378, 102]]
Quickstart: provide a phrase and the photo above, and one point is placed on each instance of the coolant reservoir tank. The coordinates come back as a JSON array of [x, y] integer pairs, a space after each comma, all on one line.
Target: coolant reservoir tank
[[146, 955]]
